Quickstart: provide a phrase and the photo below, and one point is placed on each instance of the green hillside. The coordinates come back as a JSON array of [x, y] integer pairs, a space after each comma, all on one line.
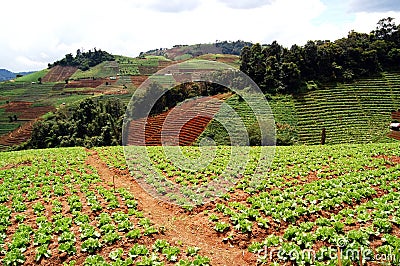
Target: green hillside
[[102, 70], [358, 112], [33, 77], [184, 52]]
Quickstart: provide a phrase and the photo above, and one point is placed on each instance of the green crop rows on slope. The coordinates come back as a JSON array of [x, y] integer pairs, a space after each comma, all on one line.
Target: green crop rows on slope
[[103, 70], [215, 129], [56, 208], [351, 113], [313, 199], [283, 110]]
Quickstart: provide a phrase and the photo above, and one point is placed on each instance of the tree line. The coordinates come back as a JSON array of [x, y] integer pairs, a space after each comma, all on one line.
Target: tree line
[[93, 122], [84, 60], [277, 69]]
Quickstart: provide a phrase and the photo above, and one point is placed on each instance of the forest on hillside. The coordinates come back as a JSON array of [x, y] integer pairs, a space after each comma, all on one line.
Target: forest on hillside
[[93, 122], [277, 69], [84, 60]]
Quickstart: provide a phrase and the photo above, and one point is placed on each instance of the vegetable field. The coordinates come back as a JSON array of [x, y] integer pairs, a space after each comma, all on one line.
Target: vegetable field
[[73, 205], [358, 112], [56, 209]]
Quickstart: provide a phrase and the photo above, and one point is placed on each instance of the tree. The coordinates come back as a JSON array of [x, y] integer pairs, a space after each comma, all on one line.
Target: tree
[[91, 123], [385, 29], [257, 62], [272, 78], [245, 63], [280, 70], [310, 59], [291, 77]]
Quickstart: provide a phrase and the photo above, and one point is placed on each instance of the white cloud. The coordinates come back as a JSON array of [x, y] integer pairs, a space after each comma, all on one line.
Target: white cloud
[[367, 22], [173, 5], [240, 4], [35, 33], [29, 63]]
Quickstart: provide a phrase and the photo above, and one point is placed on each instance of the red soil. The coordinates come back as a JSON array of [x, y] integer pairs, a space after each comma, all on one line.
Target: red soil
[[138, 80], [396, 115], [25, 111], [164, 64], [59, 73], [189, 229], [181, 125], [26, 114], [85, 83], [18, 136], [147, 70], [394, 135]]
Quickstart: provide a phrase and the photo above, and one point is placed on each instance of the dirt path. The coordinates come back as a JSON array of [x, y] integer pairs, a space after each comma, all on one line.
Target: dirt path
[[180, 226]]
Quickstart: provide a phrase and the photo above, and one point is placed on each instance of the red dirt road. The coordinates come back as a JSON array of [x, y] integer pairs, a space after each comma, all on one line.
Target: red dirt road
[[191, 229]]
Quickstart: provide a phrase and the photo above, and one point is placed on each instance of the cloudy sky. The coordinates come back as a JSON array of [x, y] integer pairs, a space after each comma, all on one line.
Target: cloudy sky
[[36, 32]]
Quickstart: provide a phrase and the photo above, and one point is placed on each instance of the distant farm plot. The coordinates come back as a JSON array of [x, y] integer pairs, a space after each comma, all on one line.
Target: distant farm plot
[[25, 91], [59, 73], [351, 113], [18, 118], [232, 60], [140, 66], [103, 70], [85, 83]]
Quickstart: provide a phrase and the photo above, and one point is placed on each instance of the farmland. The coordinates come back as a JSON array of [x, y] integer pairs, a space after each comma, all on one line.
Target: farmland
[[64, 212], [102, 70], [353, 113], [357, 112], [61, 205]]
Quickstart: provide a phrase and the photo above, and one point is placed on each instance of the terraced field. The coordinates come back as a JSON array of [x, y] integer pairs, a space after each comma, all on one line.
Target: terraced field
[[141, 66], [19, 131], [59, 74], [179, 126], [86, 83], [351, 113], [32, 100], [218, 132], [103, 70]]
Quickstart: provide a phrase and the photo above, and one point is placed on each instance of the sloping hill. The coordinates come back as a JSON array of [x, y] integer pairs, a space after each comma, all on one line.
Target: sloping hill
[[59, 73], [8, 75], [183, 52], [179, 126], [27, 115], [351, 113]]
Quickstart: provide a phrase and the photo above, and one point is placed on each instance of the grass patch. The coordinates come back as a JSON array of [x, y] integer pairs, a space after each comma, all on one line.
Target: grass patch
[[33, 77], [103, 70]]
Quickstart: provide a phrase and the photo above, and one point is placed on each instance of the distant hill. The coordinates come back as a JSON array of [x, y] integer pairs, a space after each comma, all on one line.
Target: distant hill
[[7, 75], [183, 52]]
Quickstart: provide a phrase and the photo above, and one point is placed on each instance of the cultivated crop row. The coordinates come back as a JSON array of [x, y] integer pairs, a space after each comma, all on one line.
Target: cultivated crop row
[[55, 208], [318, 199]]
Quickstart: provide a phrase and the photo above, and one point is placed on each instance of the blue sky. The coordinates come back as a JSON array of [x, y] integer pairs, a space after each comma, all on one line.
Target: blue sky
[[36, 32]]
